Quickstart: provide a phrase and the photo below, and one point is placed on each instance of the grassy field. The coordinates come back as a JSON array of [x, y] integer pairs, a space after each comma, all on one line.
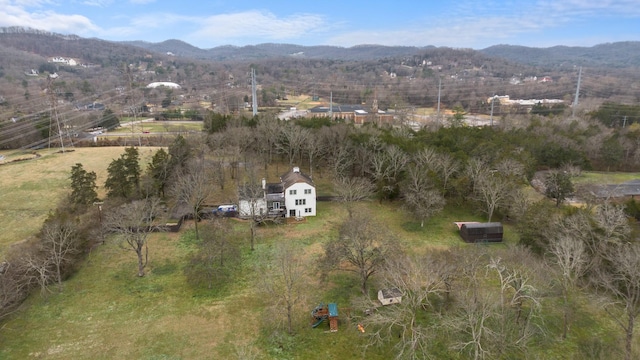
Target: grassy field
[[159, 126], [105, 312], [31, 188], [593, 177]]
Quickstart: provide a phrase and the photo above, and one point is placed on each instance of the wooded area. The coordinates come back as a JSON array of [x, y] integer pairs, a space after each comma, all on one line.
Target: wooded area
[[570, 260]]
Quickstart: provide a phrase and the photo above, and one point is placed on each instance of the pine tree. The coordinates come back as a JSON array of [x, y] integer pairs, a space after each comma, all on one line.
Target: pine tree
[[159, 170], [123, 179], [83, 186]]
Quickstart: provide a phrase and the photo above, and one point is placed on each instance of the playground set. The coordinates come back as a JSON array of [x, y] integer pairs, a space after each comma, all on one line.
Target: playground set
[[323, 312]]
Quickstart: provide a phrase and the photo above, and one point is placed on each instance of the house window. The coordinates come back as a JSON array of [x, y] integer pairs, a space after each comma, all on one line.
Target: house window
[[307, 191], [301, 201], [293, 192], [307, 210], [276, 205]]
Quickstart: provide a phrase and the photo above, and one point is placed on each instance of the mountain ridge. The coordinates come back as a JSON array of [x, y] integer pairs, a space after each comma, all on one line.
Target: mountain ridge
[[624, 54]]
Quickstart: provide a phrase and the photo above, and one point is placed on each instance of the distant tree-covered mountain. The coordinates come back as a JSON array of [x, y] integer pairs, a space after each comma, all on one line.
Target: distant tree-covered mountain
[[615, 55], [270, 50]]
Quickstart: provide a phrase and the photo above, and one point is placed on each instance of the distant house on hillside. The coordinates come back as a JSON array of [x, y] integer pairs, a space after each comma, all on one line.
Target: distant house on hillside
[[353, 113], [167, 84]]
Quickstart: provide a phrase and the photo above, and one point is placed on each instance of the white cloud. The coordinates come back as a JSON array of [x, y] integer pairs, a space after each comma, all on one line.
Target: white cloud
[[98, 3], [13, 14], [141, 2], [258, 25]]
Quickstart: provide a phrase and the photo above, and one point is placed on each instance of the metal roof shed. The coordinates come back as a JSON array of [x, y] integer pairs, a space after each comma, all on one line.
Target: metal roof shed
[[482, 232]]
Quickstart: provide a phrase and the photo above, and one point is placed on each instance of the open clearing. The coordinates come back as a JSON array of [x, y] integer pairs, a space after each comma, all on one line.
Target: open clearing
[[31, 188]]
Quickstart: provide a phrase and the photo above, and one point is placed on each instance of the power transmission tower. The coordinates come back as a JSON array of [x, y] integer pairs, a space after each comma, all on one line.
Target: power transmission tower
[[575, 101], [53, 113], [254, 96]]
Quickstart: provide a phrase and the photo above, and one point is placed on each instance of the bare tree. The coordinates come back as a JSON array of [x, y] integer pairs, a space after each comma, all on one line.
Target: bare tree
[[622, 281], [352, 189], [420, 195], [282, 278], [193, 188], [473, 323], [570, 256], [267, 131], [613, 222], [385, 166], [291, 140], [38, 268], [59, 242], [492, 190], [446, 166], [414, 277], [253, 195], [314, 147], [426, 157], [362, 247], [518, 303], [218, 251], [476, 170], [132, 223]]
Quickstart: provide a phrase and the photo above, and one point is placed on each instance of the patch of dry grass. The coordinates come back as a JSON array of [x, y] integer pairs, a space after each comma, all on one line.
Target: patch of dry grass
[[32, 188]]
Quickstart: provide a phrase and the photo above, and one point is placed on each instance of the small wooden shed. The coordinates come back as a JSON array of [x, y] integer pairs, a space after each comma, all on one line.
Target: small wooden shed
[[390, 296], [481, 232]]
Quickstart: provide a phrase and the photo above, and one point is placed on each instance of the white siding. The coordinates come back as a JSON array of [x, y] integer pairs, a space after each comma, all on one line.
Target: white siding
[[244, 208], [306, 203]]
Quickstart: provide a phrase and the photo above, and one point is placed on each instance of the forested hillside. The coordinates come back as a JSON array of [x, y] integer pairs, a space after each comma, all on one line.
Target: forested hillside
[[395, 79]]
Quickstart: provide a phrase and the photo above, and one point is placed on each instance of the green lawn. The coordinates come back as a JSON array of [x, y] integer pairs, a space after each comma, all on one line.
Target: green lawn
[[592, 177], [32, 188], [104, 311]]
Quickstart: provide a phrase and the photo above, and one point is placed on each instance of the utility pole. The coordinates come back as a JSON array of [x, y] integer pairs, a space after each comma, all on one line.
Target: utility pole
[[254, 96], [575, 101], [331, 105], [493, 99], [439, 88]]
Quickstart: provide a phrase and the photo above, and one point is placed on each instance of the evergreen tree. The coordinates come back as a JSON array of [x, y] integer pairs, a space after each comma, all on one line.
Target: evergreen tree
[[123, 179], [159, 170], [109, 120], [83, 186], [558, 186], [179, 153]]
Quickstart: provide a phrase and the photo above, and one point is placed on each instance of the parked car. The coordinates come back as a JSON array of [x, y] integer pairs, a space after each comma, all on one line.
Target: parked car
[[226, 210]]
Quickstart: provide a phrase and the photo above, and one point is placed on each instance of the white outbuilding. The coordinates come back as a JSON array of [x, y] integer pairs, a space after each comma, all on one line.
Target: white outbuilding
[[390, 296], [167, 84]]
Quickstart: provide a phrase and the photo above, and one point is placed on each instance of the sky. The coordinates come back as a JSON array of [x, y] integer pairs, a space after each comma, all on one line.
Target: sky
[[455, 24]]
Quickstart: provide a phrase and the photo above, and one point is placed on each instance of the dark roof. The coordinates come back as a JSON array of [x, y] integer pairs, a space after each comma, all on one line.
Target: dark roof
[[629, 188], [480, 225], [391, 293], [293, 177], [337, 109], [274, 188]]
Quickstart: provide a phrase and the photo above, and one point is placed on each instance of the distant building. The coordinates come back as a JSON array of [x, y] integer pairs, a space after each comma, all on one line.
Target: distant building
[[168, 84], [354, 113]]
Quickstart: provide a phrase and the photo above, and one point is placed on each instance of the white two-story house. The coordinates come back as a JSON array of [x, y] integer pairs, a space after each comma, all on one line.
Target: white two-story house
[[293, 196], [299, 194]]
